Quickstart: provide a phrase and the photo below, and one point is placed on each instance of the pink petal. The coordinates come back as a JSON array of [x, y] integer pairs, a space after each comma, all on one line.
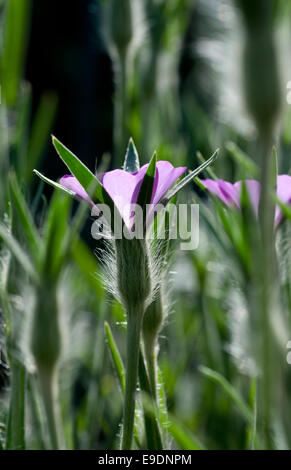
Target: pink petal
[[166, 175], [70, 182], [283, 194], [123, 188], [230, 193], [253, 188], [227, 192]]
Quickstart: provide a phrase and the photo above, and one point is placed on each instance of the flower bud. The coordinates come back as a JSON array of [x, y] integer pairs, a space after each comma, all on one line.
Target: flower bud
[[262, 84], [121, 24], [133, 273], [153, 319]]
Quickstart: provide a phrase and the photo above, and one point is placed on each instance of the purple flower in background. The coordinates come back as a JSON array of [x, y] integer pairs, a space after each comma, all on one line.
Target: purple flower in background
[[123, 187], [230, 193]]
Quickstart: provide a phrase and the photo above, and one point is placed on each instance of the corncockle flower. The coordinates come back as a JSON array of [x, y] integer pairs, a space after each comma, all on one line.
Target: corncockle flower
[[133, 268], [230, 193], [123, 187]]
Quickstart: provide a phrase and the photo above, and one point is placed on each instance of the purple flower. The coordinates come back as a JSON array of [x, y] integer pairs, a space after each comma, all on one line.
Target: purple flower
[[123, 187], [230, 193]]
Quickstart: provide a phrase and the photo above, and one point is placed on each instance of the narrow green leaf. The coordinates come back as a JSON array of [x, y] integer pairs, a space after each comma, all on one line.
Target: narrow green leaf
[[188, 178], [41, 129], [54, 184], [54, 236], [17, 251], [118, 363], [146, 189], [233, 394], [15, 439], [86, 178], [80, 171], [76, 226], [87, 263], [208, 170], [15, 41], [242, 159], [24, 217], [285, 208], [183, 437], [131, 161]]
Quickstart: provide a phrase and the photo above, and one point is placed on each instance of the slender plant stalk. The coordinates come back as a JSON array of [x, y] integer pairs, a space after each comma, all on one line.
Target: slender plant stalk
[[267, 292], [134, 322], [120, 128], [16, 429], [49, 394], [36, 411], [152, 430]]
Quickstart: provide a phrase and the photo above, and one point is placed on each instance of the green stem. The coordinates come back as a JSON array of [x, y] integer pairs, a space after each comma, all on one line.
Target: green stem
[[152, 430], [39, 432], [16, 429], [49, 394], [267, 293], [120, 128], [134, 322]]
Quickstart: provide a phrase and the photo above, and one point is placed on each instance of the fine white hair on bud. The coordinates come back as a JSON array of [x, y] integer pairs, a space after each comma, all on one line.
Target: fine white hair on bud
[[131, 270]]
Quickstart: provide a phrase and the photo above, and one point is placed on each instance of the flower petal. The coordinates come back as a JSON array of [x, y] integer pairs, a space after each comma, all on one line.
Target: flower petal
[[283, 194], [70, 182], [253, 189], [123, 188], [227, 192], [166, 175]]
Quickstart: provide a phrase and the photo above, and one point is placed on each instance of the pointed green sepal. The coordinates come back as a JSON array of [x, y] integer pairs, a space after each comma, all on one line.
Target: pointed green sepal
[[54, 184], [187, 179], [131, 161], [146, 189], [80, 171], [90, 182]]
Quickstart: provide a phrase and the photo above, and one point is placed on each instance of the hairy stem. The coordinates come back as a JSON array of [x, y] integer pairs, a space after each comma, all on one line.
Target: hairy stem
[[134, 322]]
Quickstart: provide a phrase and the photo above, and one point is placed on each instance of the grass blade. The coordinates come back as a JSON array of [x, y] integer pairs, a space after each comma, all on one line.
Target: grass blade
[[232, 393], [118, 364], [41, 129], [23, 215], [17, 251], [15, 40], [16, 423]]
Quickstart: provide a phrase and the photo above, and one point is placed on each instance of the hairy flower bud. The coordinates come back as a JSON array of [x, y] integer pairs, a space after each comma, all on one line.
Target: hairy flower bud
[[133, 272], [153, 318]]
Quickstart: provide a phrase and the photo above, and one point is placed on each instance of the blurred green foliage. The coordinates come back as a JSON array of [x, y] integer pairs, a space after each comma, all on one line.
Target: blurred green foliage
[[180, 92]]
